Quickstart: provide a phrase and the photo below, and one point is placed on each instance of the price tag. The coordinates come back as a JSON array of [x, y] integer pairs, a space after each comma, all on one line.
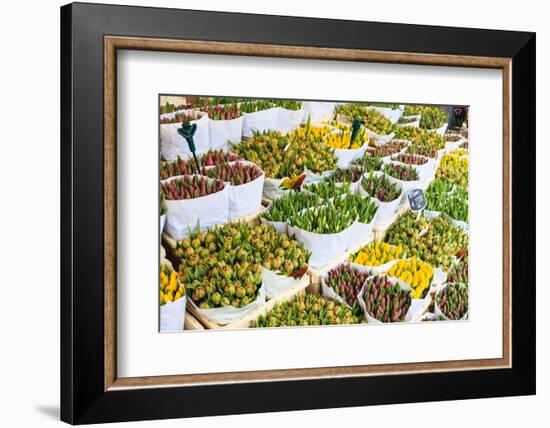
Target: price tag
[[417, 199]]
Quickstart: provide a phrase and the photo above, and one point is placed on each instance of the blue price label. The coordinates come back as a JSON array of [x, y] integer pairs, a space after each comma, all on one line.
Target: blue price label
[[417, 199]]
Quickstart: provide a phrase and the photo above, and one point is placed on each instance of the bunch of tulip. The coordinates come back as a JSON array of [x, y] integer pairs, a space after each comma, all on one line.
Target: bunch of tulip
[[187, 166], [313, 132], [178, 118], [451, 200], [287, 104], [408, 132], [377, 253], [328, 189], [403, 120], [459, 271], [170, 286], [235, 173], [370, 118], [414, 272], [427, 151], [346, 281], [453, 170], [401, 172], [222, 112], [410, 159], [432, 117], [280, 157], [324, 219], [223, 265], [429, 139], [342, 140], [385, 300], [190, 187], [380, 187], [435, 242], [252, 106], [388, 149], [452, 137], [348, 175], [452, 300], [290, 204], [459, 152], [307, 310], [368, 163]]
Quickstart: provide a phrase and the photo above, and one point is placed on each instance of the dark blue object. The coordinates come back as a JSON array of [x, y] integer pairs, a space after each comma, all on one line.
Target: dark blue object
[[187, 131], [355, 126], [417, 199]]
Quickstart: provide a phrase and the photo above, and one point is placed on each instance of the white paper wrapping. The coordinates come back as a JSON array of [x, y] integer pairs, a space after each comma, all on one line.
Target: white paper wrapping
[[162, 222], [379, 140], [428, 316], [314, 177], [288, 120], [225, 133], [318, 111], [259, 121], [323, 247], [451, 146], [275, 283], [246, 198], [386, 210], [441, 130], [172, 315], [272, 188], [183, 216], [392, 114], [346, 156], [173, 145]]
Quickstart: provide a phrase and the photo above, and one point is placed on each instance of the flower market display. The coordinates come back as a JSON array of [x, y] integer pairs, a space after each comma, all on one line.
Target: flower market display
[[281, 213]]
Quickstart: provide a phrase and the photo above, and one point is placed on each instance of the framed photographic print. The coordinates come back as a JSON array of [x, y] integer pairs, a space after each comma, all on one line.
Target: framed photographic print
[[326, 206]]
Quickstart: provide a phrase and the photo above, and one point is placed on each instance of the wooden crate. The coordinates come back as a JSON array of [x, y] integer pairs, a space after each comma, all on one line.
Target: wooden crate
[[245, 320], [191, 323]]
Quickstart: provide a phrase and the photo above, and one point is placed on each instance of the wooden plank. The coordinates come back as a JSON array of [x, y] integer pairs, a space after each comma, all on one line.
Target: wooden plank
[[245, 320], [191, 323]]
